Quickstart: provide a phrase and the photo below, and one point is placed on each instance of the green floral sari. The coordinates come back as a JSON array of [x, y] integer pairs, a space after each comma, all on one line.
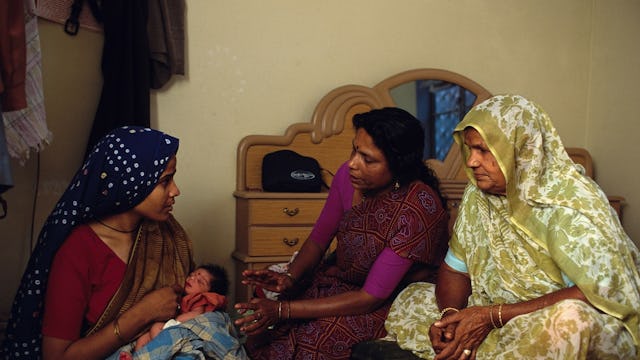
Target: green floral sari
[[554, 228]]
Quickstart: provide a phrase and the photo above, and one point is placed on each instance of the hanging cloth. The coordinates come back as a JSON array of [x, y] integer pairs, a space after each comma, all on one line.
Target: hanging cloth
[[12, 55], [6, 180], [125, 68], [166, 40], [26, 129]]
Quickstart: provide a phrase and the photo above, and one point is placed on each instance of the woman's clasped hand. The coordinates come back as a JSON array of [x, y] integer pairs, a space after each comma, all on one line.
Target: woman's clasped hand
[[473, 324]]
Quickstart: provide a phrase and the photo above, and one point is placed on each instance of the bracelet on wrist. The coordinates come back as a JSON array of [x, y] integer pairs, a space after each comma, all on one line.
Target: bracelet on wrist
[[116, 330], [447, 309], [279, 310], [493, 323]]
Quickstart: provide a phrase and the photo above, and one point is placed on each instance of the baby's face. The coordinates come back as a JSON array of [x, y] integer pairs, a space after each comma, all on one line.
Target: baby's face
[[198, 281]]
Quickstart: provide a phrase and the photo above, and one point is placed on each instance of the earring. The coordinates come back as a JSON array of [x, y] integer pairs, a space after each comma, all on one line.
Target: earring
[[396, 185]]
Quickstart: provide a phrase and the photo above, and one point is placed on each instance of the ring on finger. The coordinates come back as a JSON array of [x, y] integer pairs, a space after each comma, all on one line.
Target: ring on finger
[[466, 352]]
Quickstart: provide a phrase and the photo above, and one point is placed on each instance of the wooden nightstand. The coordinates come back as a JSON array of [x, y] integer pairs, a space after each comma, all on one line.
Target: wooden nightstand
[[270, 227]]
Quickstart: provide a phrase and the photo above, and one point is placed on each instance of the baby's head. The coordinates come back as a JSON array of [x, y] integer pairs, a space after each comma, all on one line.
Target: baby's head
[[207, 278]]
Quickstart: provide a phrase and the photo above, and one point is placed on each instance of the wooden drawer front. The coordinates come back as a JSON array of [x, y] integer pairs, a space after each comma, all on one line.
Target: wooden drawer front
[[284, 212], [276, 241]]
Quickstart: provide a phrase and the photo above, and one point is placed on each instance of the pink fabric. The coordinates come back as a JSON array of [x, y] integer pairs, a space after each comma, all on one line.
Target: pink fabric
[[338, 202], [411, 222], [83, 278], [386, 273]]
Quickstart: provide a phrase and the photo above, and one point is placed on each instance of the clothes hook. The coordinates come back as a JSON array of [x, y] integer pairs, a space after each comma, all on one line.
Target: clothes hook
[[72, 25]]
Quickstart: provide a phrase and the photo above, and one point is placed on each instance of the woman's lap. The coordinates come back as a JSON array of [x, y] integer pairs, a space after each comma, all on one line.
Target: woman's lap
[[329, 337], [570, 329]]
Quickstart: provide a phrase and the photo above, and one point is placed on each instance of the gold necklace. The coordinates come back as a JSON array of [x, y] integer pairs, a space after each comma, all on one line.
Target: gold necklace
[[116, 229]]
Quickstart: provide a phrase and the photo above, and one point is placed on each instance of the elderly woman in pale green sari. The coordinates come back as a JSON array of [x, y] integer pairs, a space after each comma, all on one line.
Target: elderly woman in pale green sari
[[539, 266]]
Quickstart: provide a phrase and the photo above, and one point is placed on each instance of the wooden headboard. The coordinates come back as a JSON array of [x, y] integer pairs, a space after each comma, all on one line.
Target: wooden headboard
[[327, 137]]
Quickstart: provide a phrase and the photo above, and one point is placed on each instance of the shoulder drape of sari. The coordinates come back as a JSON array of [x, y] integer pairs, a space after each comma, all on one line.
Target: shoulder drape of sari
[[162, 256]]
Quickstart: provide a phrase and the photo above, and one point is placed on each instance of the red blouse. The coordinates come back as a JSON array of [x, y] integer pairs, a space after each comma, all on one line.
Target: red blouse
[[84, 276]]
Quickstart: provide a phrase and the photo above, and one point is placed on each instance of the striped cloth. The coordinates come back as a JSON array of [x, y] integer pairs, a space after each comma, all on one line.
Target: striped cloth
[[26, 129]]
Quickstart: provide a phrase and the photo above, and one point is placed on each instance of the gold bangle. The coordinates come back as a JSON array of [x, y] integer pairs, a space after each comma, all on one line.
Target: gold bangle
[[500, 315], [445, 310], [293, 279], [288, 310], [279, 310], [491, 316], [116, 330]]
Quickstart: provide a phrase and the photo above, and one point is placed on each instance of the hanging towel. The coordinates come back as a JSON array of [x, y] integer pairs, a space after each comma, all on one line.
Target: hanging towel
[[125, 95], [26, 129], [166, 40]]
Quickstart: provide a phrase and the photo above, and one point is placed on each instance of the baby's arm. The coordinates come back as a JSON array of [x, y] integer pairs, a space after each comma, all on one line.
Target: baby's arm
[[157, 327], [146, 337], [190, 314], [142, 340]]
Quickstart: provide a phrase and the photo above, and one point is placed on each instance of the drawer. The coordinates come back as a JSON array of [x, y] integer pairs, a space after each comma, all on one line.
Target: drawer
[[284, 211], [276, 241]]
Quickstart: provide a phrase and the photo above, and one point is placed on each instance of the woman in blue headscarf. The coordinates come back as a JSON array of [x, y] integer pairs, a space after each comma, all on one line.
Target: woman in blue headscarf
[[108, 257]]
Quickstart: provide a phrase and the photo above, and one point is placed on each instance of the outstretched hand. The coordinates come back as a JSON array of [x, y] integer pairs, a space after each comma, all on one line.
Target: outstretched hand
[[267, 279]]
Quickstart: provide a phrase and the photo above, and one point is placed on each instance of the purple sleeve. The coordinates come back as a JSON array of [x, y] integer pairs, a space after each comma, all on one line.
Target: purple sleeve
[[338, 202], [386, 273]]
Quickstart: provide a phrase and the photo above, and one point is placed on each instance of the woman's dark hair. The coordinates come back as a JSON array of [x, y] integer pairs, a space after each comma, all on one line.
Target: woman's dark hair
[[400, 137], [220, 282]]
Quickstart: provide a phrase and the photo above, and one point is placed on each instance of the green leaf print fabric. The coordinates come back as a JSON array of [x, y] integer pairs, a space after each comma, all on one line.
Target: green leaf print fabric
[[553, 223]]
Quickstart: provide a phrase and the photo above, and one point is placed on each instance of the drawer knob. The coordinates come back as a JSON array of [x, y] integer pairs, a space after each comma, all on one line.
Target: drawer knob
[[290, 242], [289, 212]]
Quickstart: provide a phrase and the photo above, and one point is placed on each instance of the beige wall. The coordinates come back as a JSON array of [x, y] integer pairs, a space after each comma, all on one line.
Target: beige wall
[[254, 67], [613, 123]]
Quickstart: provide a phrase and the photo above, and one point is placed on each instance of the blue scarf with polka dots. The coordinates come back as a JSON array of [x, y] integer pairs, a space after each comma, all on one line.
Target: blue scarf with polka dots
[[119, 173]]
